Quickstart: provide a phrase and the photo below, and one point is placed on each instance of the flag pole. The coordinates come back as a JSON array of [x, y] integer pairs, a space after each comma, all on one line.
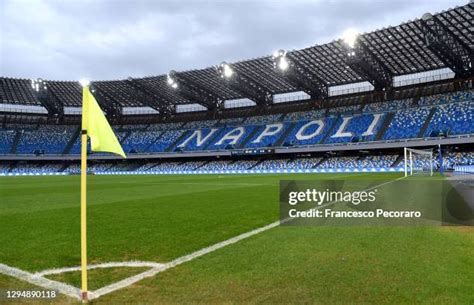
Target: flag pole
[[84, 202], [97, 128]]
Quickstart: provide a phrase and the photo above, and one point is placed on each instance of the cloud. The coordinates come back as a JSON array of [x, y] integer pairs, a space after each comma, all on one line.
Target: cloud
[[114, 39]]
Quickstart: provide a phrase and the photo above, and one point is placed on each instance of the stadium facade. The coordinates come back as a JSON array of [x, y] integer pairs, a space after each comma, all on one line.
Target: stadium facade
[[336, 107]]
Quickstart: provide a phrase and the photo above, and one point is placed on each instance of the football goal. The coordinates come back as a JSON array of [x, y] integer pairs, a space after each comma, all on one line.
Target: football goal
[[418, 161]]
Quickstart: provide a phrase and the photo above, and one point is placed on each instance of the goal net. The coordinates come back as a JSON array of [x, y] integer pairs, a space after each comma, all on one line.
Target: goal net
[[418, 161]]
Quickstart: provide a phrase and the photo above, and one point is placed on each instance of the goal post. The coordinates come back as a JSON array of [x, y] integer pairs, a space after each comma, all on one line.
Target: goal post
[[418, 161]]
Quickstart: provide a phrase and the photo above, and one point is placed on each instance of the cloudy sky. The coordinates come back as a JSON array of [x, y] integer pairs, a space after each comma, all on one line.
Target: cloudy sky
[[115, 39]]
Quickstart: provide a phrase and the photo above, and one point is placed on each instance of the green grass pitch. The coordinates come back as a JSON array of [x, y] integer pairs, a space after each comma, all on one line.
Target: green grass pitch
[[160, 218]]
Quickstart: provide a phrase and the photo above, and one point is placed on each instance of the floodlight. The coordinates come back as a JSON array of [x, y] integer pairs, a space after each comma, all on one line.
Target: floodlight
[[228, 71], [225, 70], [427, 16], [283, 63], [171, 81], [84, 82], [279, 53], [280, 61], [38, 84], [350, 37]]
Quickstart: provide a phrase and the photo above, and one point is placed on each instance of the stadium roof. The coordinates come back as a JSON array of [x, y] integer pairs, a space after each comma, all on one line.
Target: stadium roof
[[443, 40]]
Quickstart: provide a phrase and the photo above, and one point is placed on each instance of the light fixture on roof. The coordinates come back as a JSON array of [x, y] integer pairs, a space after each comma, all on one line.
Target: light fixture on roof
[[84, 82], [38, 84], [280, 61], [279, 53], [427, 16], [283, 63], [350, 37], [225, 70], [171, 80]]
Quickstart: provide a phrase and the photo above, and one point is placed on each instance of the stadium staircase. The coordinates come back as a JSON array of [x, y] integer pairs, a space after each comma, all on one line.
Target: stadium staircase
[[386, 123], [320, 162], [16, 140], [131, 166], [205, 162], [326, 113], [109, 166], [178, 140], [73, 140], [12, 166], [361, 158], [63, 168], [397, 161], [213, 139], [426, 123], [250, 136], [128, 133], [331, 129], [283, 137], [160, 134], [258, 162], [283, 117], [153, 166]]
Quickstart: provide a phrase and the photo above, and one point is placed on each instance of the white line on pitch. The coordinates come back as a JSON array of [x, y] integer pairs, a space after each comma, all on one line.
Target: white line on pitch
[[41, 281], [133, 279], [133, 264]]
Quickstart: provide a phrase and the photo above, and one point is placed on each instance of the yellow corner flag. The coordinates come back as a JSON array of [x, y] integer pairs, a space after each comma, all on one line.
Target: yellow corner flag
[[98, 129], [94, 125]]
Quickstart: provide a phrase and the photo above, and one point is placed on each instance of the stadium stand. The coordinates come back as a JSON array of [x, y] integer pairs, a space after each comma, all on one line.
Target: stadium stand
[[6, 140], [272, 164], [356, 161], [388, 106], [140, 141], [18, 91], [407, 123], [451, 119], [426, 111], [263, 119], [453, 159], [303, 163], [451, 116]]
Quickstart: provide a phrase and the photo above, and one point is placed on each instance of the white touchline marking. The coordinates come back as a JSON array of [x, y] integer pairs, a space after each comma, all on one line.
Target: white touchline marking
[[41, 281], [97, 266], [38, 279], [133, 279]]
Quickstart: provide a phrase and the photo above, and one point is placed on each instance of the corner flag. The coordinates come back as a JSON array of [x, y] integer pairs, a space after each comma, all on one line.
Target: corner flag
[[94, 125], [97, 127]]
